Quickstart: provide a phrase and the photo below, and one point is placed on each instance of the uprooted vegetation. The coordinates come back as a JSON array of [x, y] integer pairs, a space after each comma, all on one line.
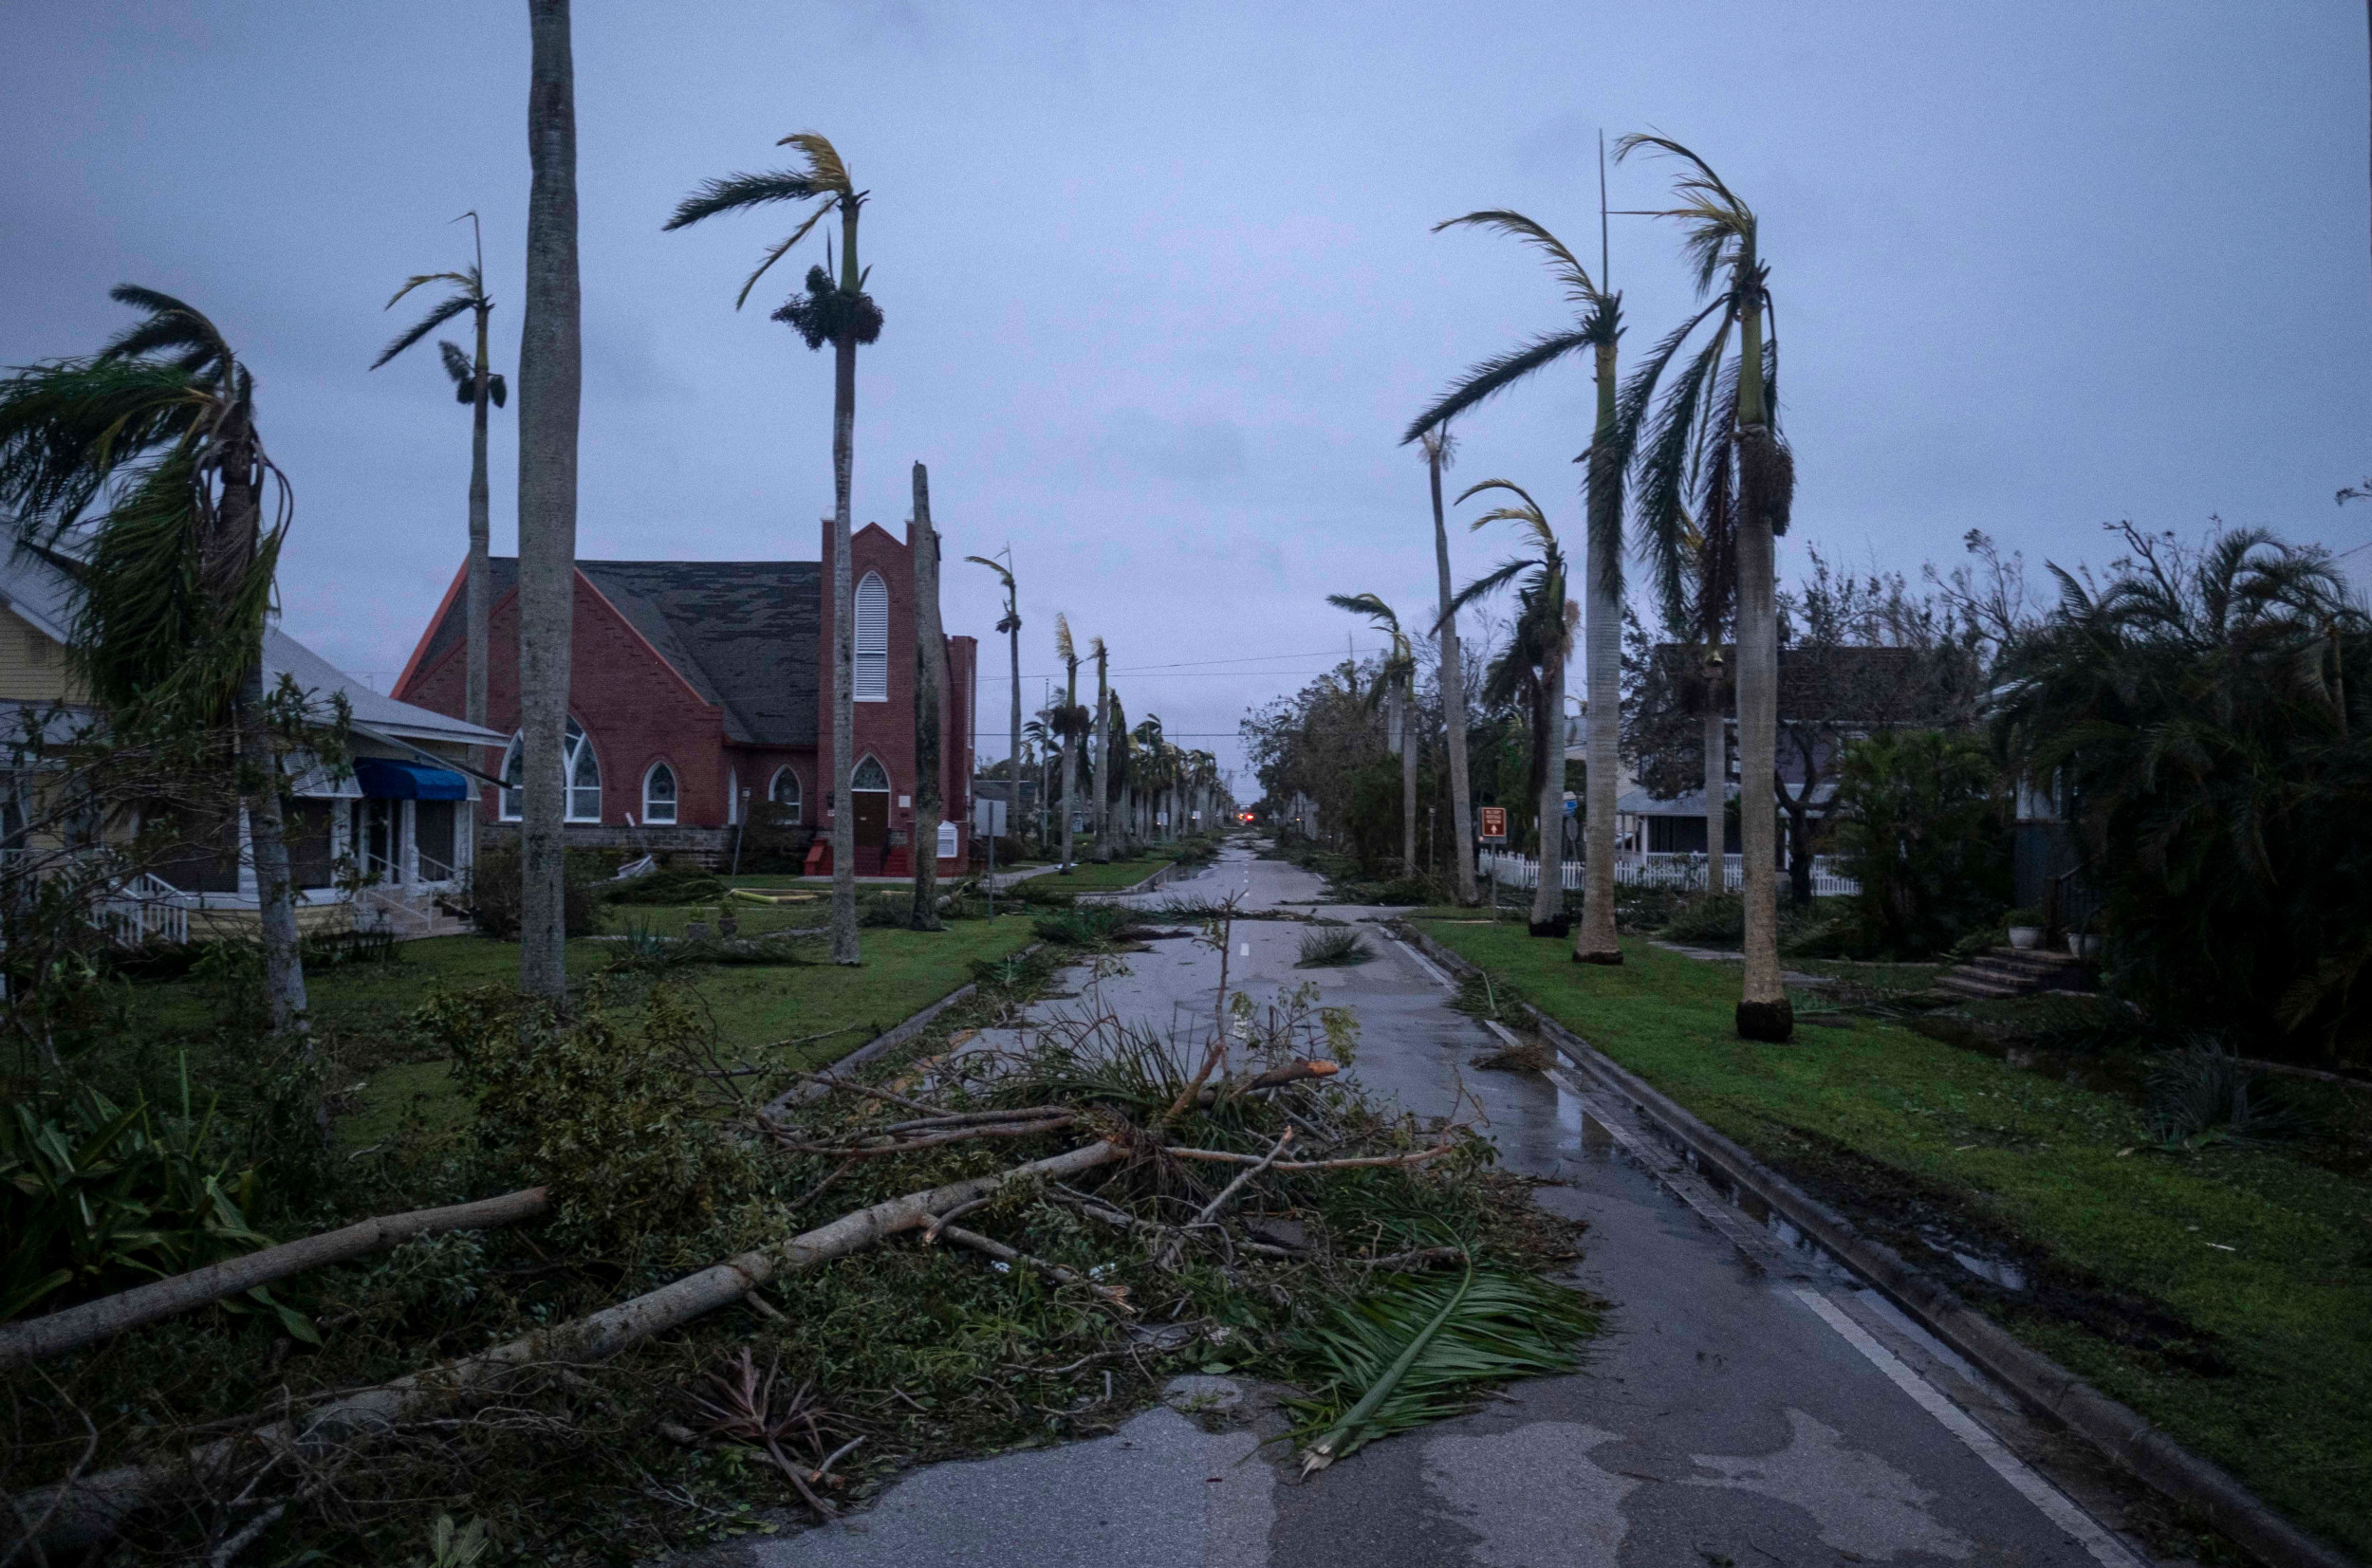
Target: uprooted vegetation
[[747, 1298]]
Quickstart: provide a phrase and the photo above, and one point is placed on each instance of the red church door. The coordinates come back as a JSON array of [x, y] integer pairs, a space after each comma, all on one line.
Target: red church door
[[870, 794]]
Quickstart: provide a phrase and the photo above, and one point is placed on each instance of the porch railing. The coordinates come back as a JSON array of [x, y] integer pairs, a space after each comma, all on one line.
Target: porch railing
[[144, 909]]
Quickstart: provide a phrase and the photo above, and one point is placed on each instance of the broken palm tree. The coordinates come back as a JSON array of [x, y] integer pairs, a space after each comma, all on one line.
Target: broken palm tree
[[1121, 1210]]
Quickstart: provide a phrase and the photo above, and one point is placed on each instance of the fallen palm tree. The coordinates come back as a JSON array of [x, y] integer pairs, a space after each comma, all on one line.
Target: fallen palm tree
[[76, 1326], [85, 1510], [1078, 1280]]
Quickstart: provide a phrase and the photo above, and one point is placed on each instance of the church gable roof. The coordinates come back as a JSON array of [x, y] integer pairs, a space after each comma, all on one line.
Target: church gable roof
[[742, 634]]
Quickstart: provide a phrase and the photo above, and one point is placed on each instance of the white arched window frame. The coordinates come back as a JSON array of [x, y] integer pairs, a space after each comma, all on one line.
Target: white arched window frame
[[872, 672], [870, 777], [784, 791], [580, 769], [659, 795]]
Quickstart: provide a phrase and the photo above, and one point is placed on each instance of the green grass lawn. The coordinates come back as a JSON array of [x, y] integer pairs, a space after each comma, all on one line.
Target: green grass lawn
[[2266, 1257], [828, 1011], [1087, 877]]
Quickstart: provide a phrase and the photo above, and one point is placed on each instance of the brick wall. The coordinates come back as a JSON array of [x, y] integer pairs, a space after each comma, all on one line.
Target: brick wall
[[630, 702], [886, 729]]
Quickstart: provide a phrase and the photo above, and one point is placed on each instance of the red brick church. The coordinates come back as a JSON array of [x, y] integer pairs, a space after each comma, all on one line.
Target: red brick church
[[699, 690]]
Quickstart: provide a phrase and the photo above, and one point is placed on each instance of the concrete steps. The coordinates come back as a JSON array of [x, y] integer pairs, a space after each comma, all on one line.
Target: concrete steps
[[2007, 972]]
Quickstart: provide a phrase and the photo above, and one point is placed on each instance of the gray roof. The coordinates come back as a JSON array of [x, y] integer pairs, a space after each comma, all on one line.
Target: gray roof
[[742, 634], [318, 677]]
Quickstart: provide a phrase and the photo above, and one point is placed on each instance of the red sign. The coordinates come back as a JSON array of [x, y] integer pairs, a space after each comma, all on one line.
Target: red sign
[[1495, 822]]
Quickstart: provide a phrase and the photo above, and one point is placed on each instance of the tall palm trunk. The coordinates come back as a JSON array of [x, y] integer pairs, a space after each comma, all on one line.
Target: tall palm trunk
[[1548, 897], [1102, 760], [930, 658], [239, 526], [1452, 700], [1716, 777], [1593, 942], [1012, 807], [550, 386], [1764, 1011], [480, 587], [1408, 781], [844, 615], [1070, 763]]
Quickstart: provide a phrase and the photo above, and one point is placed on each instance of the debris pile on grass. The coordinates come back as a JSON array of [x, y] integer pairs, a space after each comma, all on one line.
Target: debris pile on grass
[[1037, 1225]]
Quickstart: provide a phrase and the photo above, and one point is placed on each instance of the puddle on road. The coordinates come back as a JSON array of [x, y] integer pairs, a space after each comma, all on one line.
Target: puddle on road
[[1599, 1144]]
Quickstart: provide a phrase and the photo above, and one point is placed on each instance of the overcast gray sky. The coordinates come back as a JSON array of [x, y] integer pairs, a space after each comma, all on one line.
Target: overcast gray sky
[[1160, 293]]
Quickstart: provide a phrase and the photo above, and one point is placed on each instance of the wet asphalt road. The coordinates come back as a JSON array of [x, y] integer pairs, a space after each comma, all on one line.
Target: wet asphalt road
[[1747, 1404]]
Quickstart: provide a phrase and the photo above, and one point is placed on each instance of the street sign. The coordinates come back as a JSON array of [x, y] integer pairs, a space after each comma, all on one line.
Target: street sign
[[1495, 823]]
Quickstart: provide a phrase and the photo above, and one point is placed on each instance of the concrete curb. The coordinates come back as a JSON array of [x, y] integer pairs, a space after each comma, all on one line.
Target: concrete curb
[[885, 1043], [2122, 1433]]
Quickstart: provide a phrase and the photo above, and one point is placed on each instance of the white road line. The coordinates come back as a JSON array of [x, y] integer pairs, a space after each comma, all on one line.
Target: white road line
[[1422, 962], [2055, 1505]]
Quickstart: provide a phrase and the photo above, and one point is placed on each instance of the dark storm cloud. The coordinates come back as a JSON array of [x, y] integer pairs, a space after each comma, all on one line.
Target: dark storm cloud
[[1160, 291]]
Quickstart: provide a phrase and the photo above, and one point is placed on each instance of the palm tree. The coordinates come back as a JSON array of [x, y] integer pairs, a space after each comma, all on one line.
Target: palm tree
[[475, 385], [843, 314], [1598, 329], [1068, 724], [1397, 690], [930, 664], [1153, 749], [1439, 450], [1099, 757], [1533, 667], [1011, 626], [158, 432], [551, 382], [1715, 433]]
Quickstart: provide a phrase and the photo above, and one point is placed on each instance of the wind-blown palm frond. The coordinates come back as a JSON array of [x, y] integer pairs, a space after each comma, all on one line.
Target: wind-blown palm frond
[[1529, 514], [1717, 220], [443, 311], [1489, 378], [1063, 649], [738, 192], [171, 325], [1568, 268], [1422, 1350], [825, 177]]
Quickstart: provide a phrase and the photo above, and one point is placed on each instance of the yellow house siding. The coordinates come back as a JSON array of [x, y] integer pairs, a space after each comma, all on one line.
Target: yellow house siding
[[32, 663]]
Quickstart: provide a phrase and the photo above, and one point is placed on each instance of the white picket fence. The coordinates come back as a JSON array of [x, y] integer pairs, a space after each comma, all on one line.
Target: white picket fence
[[1654, 870]]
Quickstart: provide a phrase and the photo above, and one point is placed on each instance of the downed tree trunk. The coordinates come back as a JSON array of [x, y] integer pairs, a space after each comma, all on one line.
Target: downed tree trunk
[[92, 1322], [83, 1511]]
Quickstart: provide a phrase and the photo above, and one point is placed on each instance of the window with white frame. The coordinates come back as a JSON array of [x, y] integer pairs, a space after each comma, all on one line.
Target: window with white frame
[[784, 792], [579, 771], [659, 794], [869, 777], [872, 674]]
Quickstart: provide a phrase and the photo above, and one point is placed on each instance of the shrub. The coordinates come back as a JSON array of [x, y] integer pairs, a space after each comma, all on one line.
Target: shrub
[[1328, 948], [1922, 828], [1084, 925], [771, 842], [494, 896], [95, 1199], [606, 1115], [1707, 917]]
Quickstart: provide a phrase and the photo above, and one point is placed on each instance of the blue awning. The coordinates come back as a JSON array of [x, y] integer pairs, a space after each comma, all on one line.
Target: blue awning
[[385, 779]]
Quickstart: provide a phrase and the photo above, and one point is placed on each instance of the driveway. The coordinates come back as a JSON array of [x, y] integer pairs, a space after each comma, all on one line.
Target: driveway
[[1749, 1403]]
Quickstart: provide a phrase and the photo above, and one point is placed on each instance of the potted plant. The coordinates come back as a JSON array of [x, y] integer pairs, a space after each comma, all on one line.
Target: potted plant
[[728, 922], [2083, 944], [2026, 929]]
